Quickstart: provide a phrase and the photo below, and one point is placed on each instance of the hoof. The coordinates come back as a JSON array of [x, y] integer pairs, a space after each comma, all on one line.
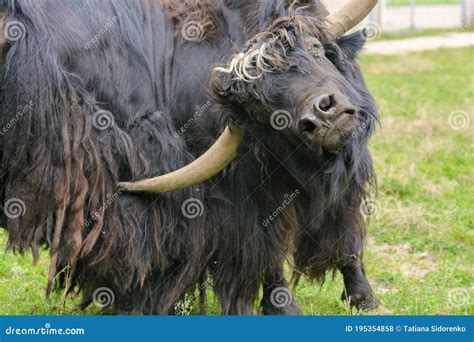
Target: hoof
[[291, 309], [361, 301]]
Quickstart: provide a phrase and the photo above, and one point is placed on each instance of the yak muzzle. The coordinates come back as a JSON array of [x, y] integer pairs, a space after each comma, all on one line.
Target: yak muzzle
[[326, 122]]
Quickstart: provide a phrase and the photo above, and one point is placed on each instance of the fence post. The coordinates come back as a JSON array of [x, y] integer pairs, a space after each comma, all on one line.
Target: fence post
[[467, 13], [376, 15], [463, 13], [470, 10], [412, 14]]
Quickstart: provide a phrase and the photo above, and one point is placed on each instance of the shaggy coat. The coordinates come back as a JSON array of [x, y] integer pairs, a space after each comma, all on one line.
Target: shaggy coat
[[102, 91]]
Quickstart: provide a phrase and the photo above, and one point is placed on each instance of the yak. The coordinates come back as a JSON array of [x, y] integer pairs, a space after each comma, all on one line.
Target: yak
[[159, 148]]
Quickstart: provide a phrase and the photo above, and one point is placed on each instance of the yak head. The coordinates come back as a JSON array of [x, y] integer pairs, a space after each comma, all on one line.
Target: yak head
[[300, 77], [294, 79]]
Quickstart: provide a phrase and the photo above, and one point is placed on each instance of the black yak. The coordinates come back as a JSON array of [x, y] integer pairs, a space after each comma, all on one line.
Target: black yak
[[97, 92]]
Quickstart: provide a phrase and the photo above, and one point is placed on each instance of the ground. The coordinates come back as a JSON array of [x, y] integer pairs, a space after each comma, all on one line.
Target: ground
[[420, 251]]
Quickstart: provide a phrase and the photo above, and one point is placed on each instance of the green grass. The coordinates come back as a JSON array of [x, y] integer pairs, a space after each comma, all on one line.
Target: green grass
[[420, 247]]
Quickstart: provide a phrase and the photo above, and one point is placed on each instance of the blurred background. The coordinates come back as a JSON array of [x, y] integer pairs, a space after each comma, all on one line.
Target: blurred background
[[401, 15]]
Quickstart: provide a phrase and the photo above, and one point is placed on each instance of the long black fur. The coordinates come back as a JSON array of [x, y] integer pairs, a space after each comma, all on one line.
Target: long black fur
[[141, 69]]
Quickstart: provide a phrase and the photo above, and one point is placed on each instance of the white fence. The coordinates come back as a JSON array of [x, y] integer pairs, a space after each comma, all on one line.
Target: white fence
[[413, 14]]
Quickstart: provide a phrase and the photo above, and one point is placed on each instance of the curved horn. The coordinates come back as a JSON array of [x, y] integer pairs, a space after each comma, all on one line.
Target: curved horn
[[210, 163], [347, 17]]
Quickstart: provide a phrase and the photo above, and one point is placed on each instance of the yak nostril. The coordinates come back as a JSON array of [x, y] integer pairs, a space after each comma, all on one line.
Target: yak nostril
[[309, 124], [306, 126], [350, 111], [323, 103]]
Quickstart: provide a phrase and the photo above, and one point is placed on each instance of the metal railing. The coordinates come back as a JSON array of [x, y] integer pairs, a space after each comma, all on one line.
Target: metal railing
[[397, 15]]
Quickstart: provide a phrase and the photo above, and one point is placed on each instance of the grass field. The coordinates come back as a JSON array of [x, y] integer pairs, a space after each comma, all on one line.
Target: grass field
[[420, 251]]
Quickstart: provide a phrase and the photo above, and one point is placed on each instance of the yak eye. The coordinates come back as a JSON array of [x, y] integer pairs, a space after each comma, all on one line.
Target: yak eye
[[316, 50], [314, 47]]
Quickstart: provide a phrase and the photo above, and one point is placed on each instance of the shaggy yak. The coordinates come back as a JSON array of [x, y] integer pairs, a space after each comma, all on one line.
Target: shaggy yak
[[99, 92]]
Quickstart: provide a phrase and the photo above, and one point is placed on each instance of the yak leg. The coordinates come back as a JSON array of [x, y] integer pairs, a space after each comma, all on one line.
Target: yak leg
[[235, 298], [238, 306], [277, 298], [235, 302], [358, 291]]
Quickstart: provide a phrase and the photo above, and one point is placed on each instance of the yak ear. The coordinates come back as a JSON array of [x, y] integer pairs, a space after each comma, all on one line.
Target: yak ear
[[226, 89], [352, 44]]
